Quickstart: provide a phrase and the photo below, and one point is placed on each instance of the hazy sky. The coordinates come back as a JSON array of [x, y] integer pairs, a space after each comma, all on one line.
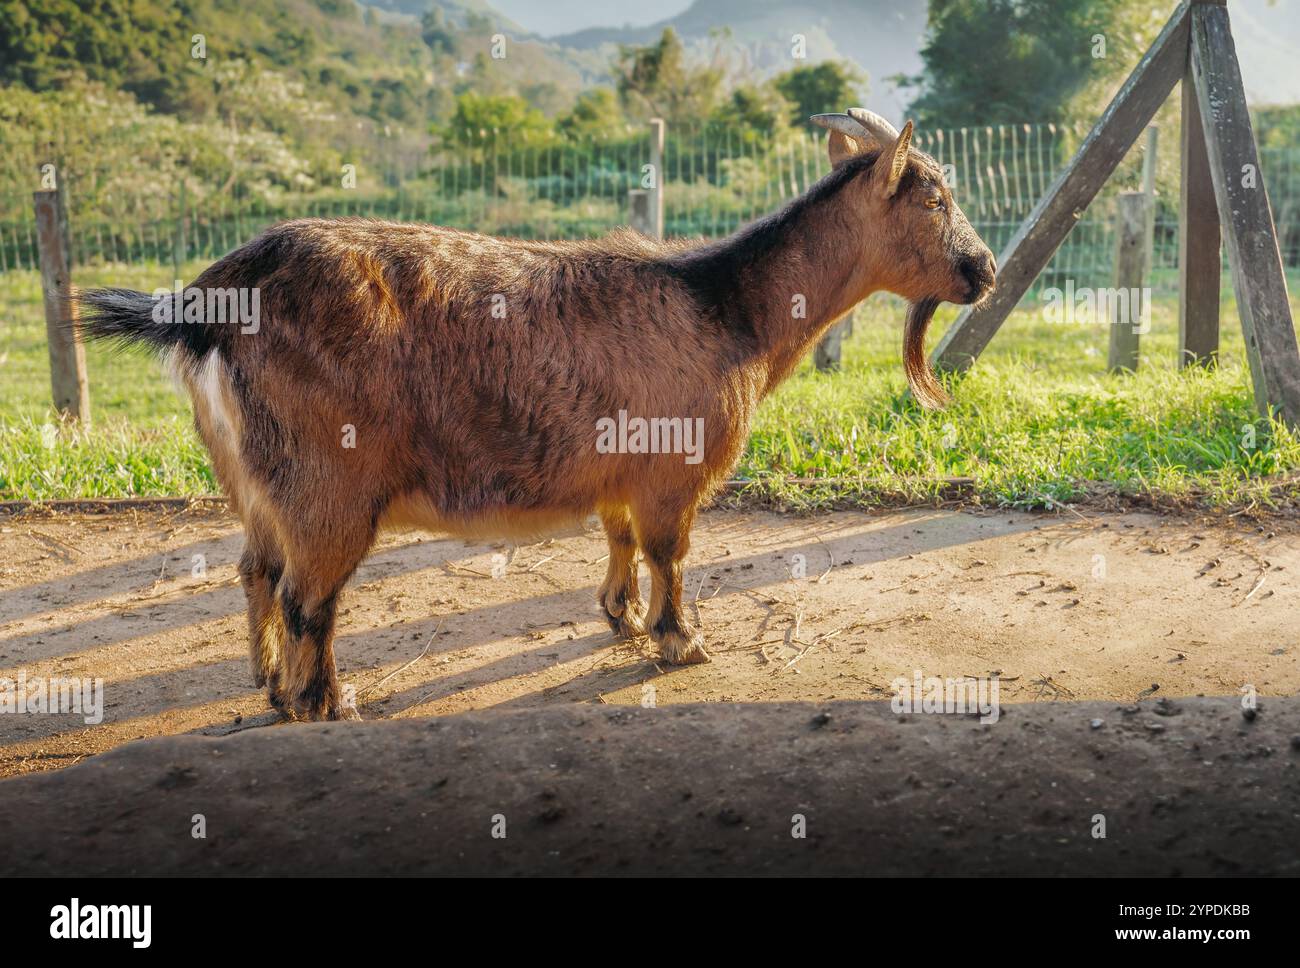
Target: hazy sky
[[1268, 32], [549, 17]]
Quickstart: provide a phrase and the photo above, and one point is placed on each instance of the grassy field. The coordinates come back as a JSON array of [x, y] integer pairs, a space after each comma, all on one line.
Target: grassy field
[[1038, 420]]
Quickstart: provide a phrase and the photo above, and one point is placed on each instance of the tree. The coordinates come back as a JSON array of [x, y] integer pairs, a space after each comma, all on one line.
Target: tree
[[1009, 61], [146, 47], [123, 44], [479, 115], [656, 80], [595, 116], [124, 161], [437, 34], [830, 86], [760, 109]]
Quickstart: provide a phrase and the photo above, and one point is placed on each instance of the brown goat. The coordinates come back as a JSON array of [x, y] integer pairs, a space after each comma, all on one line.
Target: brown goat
[[415, 375]]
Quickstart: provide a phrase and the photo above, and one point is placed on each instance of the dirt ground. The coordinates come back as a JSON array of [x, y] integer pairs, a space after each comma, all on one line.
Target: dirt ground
[[1126, 607], [1191, 787]]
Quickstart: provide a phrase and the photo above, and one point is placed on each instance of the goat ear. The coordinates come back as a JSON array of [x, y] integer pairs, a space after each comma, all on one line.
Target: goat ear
[[847, 138], [898, 160], [843, 148]]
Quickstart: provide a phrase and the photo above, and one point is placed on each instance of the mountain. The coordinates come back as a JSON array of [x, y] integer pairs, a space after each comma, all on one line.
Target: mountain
[[458, 12], [881, 37], [568, 68]]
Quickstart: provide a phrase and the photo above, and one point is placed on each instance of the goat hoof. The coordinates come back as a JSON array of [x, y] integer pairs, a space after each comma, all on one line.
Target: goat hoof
[[279, 701], [678, 649], [325, 711], [631, 622]]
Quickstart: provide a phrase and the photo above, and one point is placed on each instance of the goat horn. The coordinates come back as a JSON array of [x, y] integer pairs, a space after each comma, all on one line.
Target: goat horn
[[881, 131], [861, 125], [841, 123]]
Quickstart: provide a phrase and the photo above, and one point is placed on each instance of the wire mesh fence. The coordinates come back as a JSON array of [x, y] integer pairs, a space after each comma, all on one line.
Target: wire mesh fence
[[716, 178]]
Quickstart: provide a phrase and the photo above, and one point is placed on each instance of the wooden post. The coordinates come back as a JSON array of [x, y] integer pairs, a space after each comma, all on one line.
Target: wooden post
[[1056, 213], [67, 355], [1149, 159], [1248, 230], [1200, 259], [657, 188], [1128, 310]]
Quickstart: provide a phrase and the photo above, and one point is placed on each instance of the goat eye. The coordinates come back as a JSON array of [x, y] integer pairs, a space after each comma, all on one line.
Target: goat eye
[[934, 202]]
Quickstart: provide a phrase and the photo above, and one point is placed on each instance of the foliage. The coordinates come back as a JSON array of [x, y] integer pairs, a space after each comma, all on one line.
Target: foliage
[[756, 108], [1009, 61], [437, 33], [289, 92], [478, 116], [827, 87], [658, 81], [118, 159], [146, 47], [596, 116], [1277, 127]]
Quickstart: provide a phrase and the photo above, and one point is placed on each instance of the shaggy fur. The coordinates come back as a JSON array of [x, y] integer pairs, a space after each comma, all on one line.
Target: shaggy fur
[[470, 423]]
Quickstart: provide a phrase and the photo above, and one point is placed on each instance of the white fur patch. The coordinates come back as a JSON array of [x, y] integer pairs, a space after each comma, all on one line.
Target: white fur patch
[[212, 383], [220, 421], [173, 363]]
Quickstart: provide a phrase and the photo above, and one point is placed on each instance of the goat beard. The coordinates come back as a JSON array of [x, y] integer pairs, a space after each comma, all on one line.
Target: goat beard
[[926, 388]]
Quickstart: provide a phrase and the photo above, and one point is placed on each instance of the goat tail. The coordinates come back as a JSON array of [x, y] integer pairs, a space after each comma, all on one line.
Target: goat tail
[[926, 388], [127, 317]]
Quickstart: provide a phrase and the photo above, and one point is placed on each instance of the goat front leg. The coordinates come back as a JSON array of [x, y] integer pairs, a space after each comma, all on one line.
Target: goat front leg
[[665, 538], [619, 595]]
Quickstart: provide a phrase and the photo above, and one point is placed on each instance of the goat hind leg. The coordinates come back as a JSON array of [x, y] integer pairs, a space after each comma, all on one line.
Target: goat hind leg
[[665, 539], [308, 595], [310, 687], [260, 568], [619, 595]]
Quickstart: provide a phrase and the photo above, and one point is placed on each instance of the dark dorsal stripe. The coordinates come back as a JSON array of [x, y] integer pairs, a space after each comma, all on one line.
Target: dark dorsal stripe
[[713, 273]]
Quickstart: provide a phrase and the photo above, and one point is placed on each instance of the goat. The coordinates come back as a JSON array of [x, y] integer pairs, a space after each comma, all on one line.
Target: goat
[[412, 375]]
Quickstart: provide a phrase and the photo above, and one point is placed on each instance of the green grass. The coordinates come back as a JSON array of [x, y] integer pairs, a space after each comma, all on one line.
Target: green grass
[[1036, 421], [141, 440]]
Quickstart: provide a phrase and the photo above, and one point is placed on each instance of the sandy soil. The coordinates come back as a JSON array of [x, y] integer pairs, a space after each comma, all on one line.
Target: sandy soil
[[1125, 607]]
